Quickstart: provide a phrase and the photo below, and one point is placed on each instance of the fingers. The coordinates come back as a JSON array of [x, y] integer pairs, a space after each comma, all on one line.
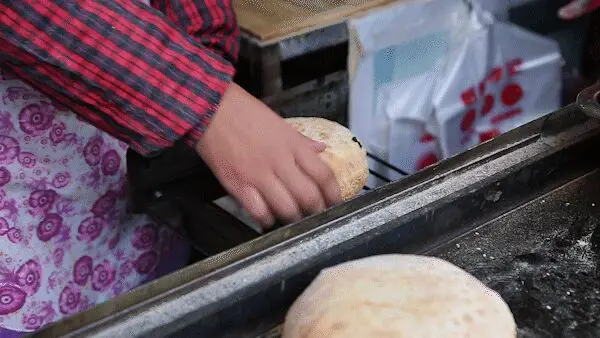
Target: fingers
[[279, 199], [317, 146], [282, 196], [571, 11], [313, 144], [253, 202], [578, 8], [302, 187], [321, 174]]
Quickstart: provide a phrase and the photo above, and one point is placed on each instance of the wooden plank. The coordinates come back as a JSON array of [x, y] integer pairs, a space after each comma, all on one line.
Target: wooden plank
[[274, 20]]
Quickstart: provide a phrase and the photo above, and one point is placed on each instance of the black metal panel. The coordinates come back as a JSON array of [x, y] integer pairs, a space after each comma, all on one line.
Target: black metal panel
[[249, 314], [176, 188], [247, 290]]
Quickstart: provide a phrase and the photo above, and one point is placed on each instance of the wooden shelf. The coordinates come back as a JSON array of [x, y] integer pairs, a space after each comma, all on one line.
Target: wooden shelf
[[275, 20]]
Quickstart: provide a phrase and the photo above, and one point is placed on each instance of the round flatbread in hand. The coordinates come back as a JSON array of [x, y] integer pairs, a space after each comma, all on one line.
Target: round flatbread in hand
[[398, 296], [344, 154]]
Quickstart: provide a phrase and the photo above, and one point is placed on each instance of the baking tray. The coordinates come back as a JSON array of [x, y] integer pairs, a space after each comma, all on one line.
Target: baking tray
[[505, 199]]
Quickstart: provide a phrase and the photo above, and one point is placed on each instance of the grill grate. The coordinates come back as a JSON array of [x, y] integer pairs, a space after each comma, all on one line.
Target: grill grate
[[380, 176]]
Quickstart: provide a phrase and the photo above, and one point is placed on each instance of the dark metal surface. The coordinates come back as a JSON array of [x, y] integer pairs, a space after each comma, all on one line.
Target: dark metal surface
[[587, 100], [313, 41], [176, 188], [245, 291], [540, 257], [304, 75], [325, 97]]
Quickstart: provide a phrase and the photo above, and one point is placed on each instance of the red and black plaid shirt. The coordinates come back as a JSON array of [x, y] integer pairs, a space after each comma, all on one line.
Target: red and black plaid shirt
[[148, 76]]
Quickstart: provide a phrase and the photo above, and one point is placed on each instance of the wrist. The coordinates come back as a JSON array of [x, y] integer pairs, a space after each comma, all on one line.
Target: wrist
[[229, 100], [195, 135]]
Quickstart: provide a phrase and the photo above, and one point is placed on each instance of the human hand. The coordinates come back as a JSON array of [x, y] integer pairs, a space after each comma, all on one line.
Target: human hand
[[578, 8], [263, 162]]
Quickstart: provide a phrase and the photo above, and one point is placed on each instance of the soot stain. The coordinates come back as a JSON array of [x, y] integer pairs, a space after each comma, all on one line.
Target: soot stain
[[554, 289]]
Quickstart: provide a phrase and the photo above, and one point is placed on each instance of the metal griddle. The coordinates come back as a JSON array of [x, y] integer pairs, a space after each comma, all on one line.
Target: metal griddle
[[519, 212]]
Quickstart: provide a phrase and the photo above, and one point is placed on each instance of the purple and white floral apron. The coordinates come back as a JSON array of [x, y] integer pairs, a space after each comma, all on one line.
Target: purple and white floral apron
[[66, 241]]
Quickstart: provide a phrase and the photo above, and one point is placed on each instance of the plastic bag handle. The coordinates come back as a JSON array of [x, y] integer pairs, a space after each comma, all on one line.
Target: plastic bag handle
[[470, 4], [474, 7], [478, 13], [587, 100]]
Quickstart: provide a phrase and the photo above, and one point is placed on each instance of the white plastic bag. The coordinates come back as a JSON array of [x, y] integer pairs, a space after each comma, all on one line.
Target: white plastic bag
[[396, 56], [499, 78], [432, 78]]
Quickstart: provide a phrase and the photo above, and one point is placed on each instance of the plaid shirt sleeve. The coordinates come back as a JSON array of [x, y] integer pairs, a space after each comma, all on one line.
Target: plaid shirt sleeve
[[211, 22], [147, 77]]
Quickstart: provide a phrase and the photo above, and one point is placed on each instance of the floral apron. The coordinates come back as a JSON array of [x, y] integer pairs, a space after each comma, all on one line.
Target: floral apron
[[66, 241]]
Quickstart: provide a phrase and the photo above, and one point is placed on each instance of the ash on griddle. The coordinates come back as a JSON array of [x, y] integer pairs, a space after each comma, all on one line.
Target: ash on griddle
[[554, 289]]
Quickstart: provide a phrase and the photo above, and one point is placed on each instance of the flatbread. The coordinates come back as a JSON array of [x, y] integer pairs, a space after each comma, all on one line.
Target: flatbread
[[398, 296], [345, 154]]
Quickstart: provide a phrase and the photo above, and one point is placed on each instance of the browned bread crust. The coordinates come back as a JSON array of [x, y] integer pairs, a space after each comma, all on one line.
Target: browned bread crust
[[344, 154]]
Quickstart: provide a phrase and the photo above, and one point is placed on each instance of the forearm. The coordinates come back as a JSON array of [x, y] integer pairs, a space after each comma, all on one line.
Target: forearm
[[121, 65]]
